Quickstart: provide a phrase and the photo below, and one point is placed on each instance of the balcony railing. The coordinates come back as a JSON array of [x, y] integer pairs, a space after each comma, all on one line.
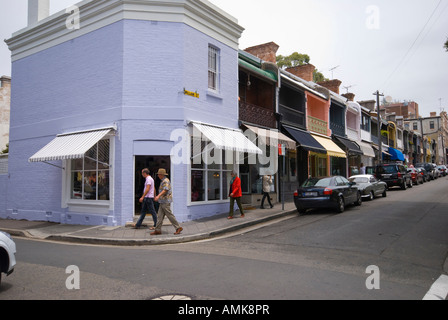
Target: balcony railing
[[317, 125], [257, 115]]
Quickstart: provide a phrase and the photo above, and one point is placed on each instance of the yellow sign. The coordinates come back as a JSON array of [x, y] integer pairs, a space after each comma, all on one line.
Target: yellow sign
[[191, 94]]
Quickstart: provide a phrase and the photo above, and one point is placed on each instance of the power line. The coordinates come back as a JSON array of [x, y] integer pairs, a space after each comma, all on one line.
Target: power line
[[413, 44]]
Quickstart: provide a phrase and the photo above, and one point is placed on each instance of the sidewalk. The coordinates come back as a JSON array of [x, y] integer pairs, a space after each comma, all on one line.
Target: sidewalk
[[126, 236]]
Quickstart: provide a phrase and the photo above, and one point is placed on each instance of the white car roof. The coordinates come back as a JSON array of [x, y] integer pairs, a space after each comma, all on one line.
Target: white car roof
[[361, 176]]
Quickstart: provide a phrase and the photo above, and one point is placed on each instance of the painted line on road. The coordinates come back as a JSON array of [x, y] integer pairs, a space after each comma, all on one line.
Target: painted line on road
[[439, 290]]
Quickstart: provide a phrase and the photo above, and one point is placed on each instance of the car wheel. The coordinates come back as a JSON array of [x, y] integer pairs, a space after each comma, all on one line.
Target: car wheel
[[371, 196], [404, 185], [411, 184], [384, 193], [359, 199], [301, 211], [341, 205]]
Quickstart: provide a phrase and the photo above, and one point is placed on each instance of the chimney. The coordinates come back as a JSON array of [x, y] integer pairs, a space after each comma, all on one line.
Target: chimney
[[266, 52], [5, 82], [37, 10], [304, 71], [332, 85], [349, 96], [433, 114]]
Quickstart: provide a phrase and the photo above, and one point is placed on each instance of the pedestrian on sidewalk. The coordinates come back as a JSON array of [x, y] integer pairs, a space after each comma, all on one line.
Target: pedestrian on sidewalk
[[235, 194], [165, 198], [267, 182], [147, 200]]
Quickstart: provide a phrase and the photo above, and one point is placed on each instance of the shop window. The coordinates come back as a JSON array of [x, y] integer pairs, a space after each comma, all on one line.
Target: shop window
[[90, 175]]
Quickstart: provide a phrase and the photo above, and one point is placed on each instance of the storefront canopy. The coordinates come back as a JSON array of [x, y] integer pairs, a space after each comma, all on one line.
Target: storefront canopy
[[227, 138], [305, 140], [367, 149], [332, 148], [70, 146], [396, 155], [272, 137], [350, 145]]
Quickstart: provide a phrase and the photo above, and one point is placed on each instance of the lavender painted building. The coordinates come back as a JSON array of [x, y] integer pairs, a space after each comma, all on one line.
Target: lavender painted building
[[92, 106]]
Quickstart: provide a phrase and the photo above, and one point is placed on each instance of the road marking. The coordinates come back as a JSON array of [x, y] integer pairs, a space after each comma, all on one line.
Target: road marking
[[439, 290]]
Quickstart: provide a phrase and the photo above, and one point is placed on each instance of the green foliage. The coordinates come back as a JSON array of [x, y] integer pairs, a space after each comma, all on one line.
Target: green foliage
[[293, 60], [297, 59], [6, 150]]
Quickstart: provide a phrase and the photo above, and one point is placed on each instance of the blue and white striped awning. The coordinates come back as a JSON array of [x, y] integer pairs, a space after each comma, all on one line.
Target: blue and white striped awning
[[70, 146]]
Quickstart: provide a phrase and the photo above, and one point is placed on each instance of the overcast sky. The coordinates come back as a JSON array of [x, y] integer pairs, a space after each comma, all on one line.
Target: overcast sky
[[394, 46]]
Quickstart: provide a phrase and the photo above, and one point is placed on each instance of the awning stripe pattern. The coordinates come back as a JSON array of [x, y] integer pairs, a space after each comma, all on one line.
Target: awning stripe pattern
[[69, 146], [227, 139], [366, 149], [272, 137], [332, 148]]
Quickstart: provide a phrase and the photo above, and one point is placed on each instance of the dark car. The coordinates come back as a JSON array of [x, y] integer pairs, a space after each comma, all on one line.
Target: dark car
[[416, 177], [429, 169], [330, 192], [395, 175], [369, 186]]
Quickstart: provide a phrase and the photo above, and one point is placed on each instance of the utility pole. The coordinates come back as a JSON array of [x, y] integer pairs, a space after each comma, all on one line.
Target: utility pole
[[380, 142]]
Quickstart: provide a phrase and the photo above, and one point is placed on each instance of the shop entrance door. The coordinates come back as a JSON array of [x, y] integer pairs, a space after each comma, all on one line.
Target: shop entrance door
[[153, 163]]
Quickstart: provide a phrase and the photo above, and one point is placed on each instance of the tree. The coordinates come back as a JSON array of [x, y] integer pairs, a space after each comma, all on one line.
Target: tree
[[6, 150], [293, 60], [446, 45], [297, 59]]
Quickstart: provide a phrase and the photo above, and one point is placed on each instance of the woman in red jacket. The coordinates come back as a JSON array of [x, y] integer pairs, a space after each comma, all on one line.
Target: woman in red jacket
[[235, 194]]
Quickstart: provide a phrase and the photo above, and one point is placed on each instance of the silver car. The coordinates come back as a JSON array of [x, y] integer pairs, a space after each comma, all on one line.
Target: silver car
[[369, 186], [7, 254]]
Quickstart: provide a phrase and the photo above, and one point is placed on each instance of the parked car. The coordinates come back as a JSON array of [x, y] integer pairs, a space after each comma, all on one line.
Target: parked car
[[395, 175], [442, 168], [369, 186], [329, 192], [437, 173], [416, 177], [429, 168], [423, 173], [7, 254]]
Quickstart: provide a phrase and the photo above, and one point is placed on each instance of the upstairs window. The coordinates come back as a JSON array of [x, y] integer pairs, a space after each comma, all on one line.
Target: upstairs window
[[213, 68]]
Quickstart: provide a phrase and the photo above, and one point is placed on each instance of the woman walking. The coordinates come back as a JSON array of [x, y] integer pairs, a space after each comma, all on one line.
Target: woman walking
[[267, 181], [235, 194]]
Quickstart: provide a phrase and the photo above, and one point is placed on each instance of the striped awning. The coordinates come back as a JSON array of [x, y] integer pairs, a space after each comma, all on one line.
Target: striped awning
[[272, 137], [70, 146], [227, 138]]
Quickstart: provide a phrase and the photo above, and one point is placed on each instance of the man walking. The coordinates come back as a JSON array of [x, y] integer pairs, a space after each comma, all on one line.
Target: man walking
[[266, 185], [147, 200], [165, 198]]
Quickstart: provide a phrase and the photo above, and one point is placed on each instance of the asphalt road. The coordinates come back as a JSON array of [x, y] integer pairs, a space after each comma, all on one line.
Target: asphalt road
[[321, 255]]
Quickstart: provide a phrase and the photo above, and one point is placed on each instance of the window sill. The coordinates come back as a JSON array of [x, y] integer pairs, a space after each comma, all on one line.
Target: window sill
[[214, 94]]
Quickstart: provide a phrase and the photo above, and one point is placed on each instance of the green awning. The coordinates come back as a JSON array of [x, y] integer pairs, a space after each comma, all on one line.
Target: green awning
[[266, 74]]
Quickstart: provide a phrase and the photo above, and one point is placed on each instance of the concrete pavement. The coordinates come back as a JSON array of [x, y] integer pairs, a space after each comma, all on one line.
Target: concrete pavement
[[126, 236]]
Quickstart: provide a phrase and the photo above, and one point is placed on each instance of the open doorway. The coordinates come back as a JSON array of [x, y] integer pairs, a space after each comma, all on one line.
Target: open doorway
[[153, 163]]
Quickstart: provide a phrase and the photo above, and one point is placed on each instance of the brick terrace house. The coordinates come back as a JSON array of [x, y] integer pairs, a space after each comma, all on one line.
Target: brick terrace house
[[130, 88]]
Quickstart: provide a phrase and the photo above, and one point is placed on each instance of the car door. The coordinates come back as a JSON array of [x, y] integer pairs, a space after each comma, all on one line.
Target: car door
[[377, 189], [350, 191]]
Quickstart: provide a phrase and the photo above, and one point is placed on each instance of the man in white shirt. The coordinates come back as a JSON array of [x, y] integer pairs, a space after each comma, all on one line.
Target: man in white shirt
[[147, 200]]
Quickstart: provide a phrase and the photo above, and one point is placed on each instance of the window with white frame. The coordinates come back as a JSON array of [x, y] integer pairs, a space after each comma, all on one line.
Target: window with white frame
[[90, 175], [213, 68]]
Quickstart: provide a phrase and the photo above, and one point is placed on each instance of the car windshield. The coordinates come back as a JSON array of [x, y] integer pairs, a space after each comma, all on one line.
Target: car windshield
[[316, 182], [359, 179], [389, 169]]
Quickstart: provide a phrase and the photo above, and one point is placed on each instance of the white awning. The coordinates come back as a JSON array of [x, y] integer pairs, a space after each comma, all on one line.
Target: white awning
[[227, 138], [70, 146], [272, 137], [366, 149]]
